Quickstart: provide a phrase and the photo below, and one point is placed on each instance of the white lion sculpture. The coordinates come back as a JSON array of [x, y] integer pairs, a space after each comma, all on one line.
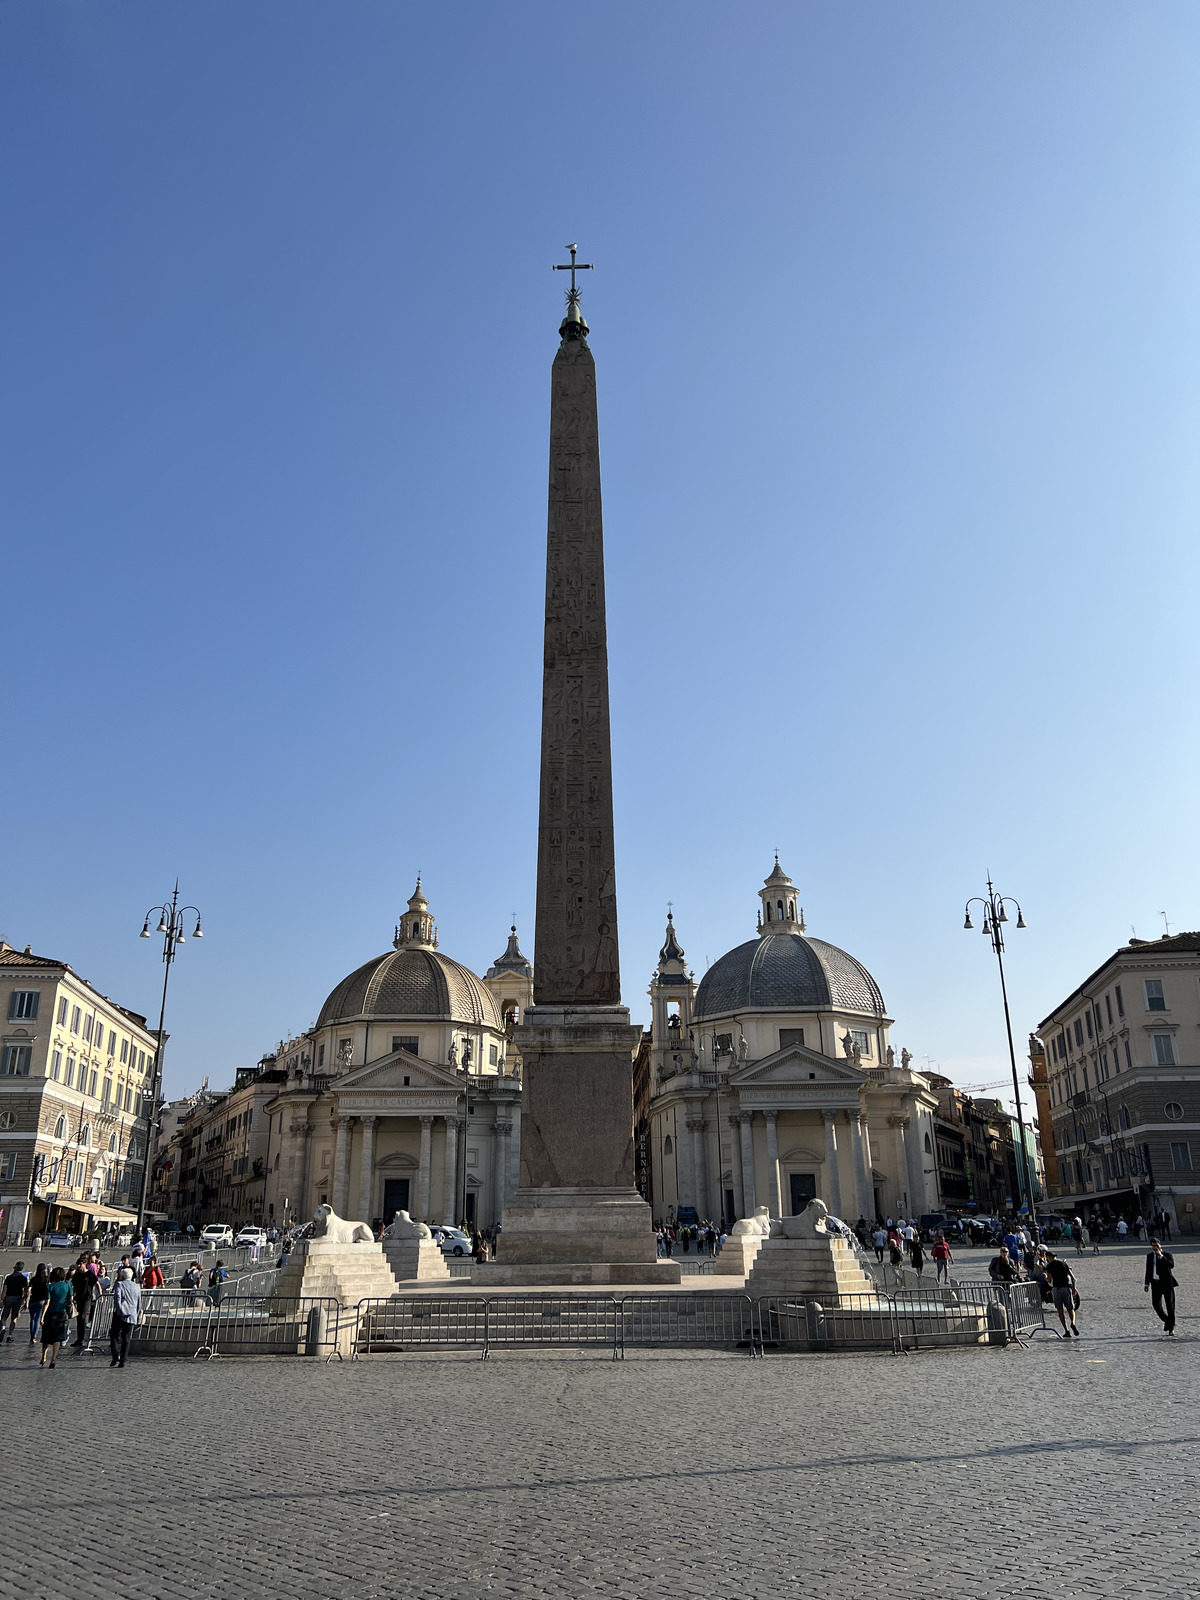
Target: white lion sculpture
[[402, 1226], [810, 1224], [756, 1227], [328, 1225]]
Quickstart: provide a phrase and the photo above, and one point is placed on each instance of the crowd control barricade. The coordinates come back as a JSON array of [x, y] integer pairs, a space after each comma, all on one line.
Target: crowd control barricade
[[178, 1322], [1027, 1309], [544, 1321], [421, 1322], [860, 1321], [961, 1314], [718, 1321]]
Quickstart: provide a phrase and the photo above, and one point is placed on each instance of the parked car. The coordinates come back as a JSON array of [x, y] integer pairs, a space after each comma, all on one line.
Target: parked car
[[251, 1236], [455, 1242], [216, 1236]]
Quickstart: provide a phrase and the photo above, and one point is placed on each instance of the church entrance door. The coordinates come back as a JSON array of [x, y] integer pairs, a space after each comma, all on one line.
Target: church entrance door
[[804, 1189], [395, 1197]]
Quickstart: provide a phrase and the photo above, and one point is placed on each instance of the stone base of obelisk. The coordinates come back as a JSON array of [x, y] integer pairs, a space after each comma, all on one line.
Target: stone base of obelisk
[[576, 1217]]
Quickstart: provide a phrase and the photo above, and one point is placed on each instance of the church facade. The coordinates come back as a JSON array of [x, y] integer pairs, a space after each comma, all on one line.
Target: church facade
[[773, 1081], [405, 1096]]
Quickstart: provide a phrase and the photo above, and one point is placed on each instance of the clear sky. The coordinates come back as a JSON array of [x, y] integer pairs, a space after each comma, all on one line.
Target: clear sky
[[896, 323]]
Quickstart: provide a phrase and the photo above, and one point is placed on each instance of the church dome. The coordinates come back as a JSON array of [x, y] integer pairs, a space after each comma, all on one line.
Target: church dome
[[787, 972], [412, 981], [783, 970], [408, 983]]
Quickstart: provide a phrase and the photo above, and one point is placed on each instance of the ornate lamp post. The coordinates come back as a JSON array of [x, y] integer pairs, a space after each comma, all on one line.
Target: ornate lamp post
[[170, 925], [995, 914]]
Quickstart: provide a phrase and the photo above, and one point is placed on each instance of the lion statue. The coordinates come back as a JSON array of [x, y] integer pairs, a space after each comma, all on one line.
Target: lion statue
[[402, 1226], [756, 1227], [328, 1225], [810, 1224]]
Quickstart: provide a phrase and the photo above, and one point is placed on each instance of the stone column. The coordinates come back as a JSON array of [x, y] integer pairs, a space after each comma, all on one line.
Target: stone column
[[341, 1166], [773, 1164], [685, 1166], [696, 1126], [502, 1131], [736, 1119], [834, 1182], [749, 1186], [423, 1173], [862, 1176], [368, 1168], [450, 1189], [914, 1161]]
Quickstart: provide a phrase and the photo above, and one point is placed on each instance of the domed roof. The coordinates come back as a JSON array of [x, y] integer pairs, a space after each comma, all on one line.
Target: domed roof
[[410, 982], [787, 972]]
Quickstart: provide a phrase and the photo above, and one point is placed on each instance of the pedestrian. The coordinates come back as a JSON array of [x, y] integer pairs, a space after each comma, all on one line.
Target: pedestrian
[[1141, 1228], [1001, 1268], [83, 1293], [879, 1239], [15, 1299], [1161, 1284], [1166, 1222], [1063, 1292], [917, 1256], [189, 1282], [895, 1249], [942, 1257], [153, 1278], [1122, 1229], [1077, 1234], [56, 1319], [39, 1293], [217, 1279], [1012, 1244], [127, 1309]]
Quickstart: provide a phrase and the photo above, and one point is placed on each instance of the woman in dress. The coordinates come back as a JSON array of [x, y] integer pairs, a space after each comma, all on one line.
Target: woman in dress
[[56, 1317]]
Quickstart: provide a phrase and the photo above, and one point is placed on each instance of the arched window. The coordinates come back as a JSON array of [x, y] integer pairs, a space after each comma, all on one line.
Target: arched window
[[928, 1146], [85, 1138], [779, 906], [416, 933], [768, 905], [1174, 1110], [112, 1144], [60, 1128], [667, 1145], [8, 1119], [792, 910]]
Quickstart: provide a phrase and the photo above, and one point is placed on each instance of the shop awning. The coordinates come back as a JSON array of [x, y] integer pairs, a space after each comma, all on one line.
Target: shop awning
[[104, 1213]]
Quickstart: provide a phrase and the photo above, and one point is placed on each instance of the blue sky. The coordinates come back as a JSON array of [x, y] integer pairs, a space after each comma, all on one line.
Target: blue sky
[[896, 325]]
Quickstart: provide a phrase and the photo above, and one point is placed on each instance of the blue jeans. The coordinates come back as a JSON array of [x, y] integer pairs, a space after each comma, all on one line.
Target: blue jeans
[[36, 1307]]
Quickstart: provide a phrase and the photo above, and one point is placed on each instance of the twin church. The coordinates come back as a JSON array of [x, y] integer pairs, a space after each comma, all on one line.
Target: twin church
[[770, 1081]]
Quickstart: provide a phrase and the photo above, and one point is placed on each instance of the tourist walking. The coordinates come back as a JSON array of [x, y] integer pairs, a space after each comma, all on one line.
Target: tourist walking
[[217, 1280], [39, 1293], [153, 1278], [1077, 1234], [942, 1257], [1161, 1284], [1122, 1229], [16, 1298], [56, 1318], [879, 1239], [1064, 1293], [83, 1293], [917, 1256], [127, 1310], [189, 1282]]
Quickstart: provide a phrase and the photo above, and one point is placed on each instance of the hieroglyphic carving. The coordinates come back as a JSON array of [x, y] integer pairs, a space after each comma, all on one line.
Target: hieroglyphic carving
[[576, 955]]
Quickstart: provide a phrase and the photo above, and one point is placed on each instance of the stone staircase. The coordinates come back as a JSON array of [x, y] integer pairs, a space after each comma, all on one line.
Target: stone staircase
[[319, 1269], [823, 1269]]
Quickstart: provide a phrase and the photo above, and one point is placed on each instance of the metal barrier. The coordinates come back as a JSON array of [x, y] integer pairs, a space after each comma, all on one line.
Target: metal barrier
[[542, 1321], [177, 1322], [695, 1266], [864, 1321], [416, 1322], [725, 1321]]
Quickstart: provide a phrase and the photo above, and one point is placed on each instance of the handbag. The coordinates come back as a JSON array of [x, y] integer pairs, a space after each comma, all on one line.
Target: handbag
[[1075, 1299]]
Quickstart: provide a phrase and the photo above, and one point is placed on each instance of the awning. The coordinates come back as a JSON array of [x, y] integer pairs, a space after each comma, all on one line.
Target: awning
[[104, 1213]]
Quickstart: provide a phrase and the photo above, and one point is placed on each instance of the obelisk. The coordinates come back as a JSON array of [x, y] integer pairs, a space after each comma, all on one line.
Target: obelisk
[[576, 1216]]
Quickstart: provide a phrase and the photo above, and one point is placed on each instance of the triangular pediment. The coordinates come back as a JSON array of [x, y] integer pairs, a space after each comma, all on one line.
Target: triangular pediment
[[390, 1071], [795, 1063]]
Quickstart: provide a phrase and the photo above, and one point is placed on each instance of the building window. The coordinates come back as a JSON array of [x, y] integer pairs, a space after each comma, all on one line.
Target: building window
[[1174, 1111], [76, 1018], [8, 1164], [1120, 1001], [23, 1005], [1108, 1008], [1087, 1017], [1128, 1056], [1104, 1065], [16, 1060], [409, 1044], [493, 1055], [862, 1039], [62, 1012], [112, 1041], [1181, 1157], [87, 1029], [56, 1065], [8, 1119], [112, 1144], [124, 1051], [1155, 999], [1164, 1050], [141, 1061], [60, 1128], [91, 1088], [790, 1036], [667, 1146], [1079, 1032], [320, 1056], [107, 1092], [69, 1075], [1123, 1119]]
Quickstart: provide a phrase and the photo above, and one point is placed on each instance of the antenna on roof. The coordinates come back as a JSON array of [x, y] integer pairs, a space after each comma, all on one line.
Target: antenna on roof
[[1166, 924]]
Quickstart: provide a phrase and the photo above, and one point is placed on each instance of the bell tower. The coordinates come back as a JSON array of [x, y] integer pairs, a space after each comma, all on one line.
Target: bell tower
[[781, 912]]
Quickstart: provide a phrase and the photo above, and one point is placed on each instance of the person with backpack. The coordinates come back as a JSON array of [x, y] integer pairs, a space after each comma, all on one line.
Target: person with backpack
[[217, 1279], [189, 1282], [1064, 1293]]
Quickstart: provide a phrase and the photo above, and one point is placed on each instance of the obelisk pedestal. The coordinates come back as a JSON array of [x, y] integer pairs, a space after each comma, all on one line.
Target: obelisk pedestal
[[576, 1216]]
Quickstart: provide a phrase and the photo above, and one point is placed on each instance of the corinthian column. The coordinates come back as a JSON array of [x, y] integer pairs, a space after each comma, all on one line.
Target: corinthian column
[[341, 1166], [423, 1169], [749, 1185], [368, 1168], [450, 1190], [833, 1183]]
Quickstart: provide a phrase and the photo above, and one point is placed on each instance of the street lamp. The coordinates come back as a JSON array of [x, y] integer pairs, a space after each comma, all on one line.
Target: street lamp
[[170, 925], [995, 914]]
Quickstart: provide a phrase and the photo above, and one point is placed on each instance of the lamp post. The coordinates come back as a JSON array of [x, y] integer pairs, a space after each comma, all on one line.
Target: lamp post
[[170, 925], [995, 914]]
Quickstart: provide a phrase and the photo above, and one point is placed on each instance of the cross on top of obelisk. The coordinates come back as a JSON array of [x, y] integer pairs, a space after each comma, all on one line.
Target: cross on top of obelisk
[[573, 267]]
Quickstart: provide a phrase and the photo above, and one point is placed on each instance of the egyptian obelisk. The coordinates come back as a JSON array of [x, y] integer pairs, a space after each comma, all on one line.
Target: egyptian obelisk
[[576, 1216]]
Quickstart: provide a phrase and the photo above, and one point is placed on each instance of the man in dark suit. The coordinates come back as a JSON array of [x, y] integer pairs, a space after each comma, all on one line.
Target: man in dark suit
[[1160, 1284]]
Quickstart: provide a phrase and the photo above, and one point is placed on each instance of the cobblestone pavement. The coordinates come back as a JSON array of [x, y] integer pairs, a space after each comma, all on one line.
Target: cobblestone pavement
[[1053, 1470]]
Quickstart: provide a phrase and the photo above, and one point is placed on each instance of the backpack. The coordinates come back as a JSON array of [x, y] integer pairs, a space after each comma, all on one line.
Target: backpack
[[215, 1277], [185, 1281]]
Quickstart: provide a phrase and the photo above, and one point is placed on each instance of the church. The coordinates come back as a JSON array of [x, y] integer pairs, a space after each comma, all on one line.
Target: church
[[773, 1081], [406, 1094]]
